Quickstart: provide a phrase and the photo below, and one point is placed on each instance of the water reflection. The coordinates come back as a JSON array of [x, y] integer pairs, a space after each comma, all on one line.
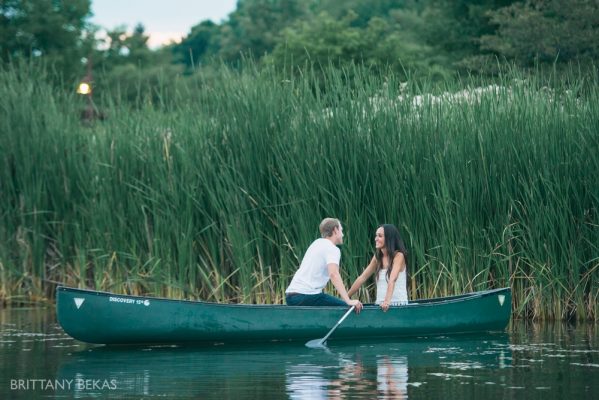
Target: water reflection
[[345, 370], [306, 381], [392, 377], [553, 361], [351, 377], [382, 369]]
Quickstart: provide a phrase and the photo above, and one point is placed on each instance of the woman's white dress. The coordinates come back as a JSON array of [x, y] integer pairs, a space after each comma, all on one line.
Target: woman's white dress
[[400, 293]]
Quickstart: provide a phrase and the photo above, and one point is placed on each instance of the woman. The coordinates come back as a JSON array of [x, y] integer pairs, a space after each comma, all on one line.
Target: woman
[[389, 264]]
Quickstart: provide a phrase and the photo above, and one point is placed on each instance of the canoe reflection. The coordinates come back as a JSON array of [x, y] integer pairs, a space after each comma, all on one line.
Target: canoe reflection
[[377, 369]]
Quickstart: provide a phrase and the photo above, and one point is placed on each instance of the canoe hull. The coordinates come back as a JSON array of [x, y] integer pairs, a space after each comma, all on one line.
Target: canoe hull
[[106, 318]]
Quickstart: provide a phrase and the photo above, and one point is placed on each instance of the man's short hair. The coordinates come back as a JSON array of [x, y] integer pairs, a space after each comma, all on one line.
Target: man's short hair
[[328, 225]]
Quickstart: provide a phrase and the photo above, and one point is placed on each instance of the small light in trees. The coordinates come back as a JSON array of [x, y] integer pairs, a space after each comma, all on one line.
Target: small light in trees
[[84, 88]]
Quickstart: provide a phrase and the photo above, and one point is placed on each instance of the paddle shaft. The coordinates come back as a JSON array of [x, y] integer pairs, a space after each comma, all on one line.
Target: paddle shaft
[[324, 339]]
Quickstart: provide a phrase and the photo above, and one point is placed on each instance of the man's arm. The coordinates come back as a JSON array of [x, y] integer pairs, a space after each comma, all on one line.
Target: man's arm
[[338, 283]]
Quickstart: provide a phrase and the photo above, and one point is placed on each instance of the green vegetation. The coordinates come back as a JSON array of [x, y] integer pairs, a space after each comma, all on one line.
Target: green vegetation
[[212, 187], [472, 125], [437, 39]]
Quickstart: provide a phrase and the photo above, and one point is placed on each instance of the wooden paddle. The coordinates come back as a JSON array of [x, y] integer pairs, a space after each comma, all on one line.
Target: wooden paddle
[[319, 343]]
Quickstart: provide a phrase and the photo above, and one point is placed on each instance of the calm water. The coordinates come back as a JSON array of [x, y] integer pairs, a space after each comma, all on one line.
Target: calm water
[[548, 361]]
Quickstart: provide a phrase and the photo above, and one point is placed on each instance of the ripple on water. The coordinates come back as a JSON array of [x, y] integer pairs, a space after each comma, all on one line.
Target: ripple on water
[[463, 366], [585, 365], [532, 347], [444, 350], [586, 351], [449, 376], [33, 334]]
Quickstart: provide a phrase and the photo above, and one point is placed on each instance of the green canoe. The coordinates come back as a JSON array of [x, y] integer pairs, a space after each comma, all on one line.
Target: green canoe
[[107, 318]]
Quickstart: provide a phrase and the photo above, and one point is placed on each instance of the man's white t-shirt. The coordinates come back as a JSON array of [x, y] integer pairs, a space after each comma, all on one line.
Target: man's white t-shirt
[[313, 274]]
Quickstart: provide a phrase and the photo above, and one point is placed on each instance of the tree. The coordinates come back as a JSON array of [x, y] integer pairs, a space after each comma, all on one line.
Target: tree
[[546, 31], [126, 48], [202, 42], [324, 40], [137, 46], [52, 31], [452, 27], [131, 69], [365, 10], [255, 26]]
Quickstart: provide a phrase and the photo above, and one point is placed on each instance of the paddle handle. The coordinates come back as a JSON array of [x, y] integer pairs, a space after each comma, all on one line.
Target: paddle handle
[[324, 339]]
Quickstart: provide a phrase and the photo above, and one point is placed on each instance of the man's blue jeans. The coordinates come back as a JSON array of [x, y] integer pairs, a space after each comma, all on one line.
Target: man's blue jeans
[[320, 299]]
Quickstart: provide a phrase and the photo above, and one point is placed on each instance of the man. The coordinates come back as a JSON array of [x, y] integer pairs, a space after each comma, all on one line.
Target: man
[[321, 263]]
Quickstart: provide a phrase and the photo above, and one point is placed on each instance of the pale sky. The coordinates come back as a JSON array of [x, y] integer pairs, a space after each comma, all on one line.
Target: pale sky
[[164, 20]]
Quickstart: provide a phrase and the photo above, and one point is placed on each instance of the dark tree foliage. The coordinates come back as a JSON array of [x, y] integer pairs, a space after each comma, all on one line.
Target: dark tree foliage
[[548, 31], [53, 31], [255, 26], [201, 43], [410, 37]]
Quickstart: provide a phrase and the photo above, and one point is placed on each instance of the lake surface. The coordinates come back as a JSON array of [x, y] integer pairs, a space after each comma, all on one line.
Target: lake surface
[[549, 361]]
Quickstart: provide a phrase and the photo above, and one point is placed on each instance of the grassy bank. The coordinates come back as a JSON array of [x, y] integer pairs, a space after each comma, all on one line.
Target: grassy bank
[[215, 191]]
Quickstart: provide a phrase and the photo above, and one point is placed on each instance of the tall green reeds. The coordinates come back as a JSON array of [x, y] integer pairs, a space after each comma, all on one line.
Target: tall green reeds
[[216, 192]]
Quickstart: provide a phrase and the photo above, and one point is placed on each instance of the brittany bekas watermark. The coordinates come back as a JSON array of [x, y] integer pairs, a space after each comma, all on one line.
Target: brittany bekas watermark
[[75, 384]]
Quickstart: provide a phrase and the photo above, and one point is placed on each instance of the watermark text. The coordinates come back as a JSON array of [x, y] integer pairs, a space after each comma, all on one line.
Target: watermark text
[[63, 384]]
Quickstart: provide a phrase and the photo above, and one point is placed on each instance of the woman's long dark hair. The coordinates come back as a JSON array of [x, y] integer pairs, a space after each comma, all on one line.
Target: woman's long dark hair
[[394, 244]]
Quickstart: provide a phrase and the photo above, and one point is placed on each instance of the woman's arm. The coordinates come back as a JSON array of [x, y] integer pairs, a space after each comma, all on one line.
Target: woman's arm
[[369, 270], [399, 264]]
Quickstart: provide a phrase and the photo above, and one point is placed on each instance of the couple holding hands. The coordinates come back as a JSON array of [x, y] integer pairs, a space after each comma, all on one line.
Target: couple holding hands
[[321, 264]]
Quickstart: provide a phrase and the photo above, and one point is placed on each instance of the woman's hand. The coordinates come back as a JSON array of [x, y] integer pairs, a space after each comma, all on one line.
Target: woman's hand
[[385, 306]]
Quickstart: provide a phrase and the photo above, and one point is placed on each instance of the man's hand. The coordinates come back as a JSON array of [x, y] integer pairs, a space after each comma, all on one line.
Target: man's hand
[[355, 303]]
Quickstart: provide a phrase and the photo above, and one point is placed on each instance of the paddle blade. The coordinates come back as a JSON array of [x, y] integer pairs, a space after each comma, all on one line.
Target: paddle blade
[[319, 343], [316, 344]]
